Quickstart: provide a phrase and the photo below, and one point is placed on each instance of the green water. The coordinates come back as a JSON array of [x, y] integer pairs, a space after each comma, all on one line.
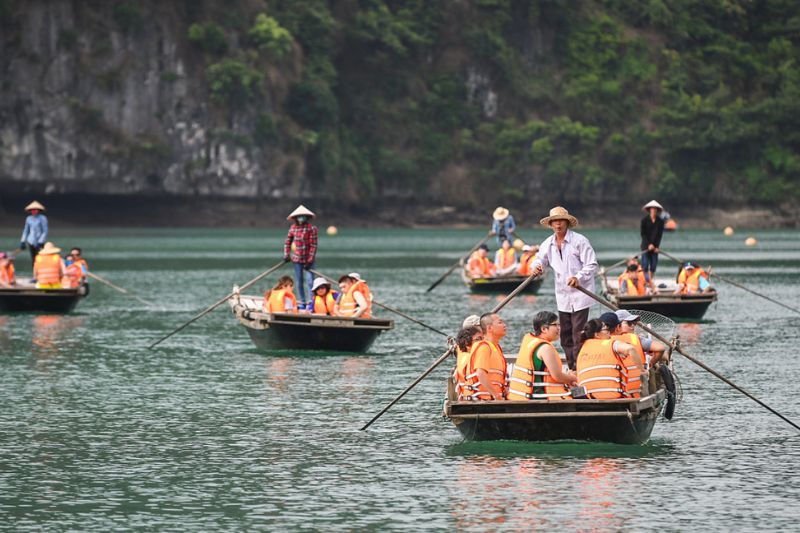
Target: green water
[[205, 432]]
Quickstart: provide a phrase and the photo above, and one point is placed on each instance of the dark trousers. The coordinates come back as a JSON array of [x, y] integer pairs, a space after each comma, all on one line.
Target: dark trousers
[[649, 264], [571, 326], [34, 251]]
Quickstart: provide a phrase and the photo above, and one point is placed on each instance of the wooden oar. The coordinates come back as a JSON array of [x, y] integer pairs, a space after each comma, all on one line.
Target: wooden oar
[[457, 263], [447, 354], [119, 289], [14, 254], [220, 302], [384, 306], [690, 358], [736, 284]]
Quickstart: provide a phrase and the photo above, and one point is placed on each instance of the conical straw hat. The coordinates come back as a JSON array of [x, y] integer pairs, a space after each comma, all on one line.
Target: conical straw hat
[[652, 203], [49, 248], [34, 205], [559, 213], [301, 210]]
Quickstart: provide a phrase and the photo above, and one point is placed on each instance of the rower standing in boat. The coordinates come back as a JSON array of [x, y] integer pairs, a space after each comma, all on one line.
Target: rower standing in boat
[[503, 225], [34, 234], [300, 248], [574, 263], [651, 230]]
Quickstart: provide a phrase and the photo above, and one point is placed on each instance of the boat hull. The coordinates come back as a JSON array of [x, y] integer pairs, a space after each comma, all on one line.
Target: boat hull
[[502, 285], [616, 421], [30, 299], [288, 331], [681, 306]]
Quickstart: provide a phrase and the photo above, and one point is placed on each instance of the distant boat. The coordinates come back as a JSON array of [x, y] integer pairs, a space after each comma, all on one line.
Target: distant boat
[[304, 331], [670, 224], [25, 297], [498, 284]]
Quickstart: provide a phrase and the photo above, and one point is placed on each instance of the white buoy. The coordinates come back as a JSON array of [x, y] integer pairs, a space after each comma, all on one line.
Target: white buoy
[[332, 230], [728, 231], [750, 241]]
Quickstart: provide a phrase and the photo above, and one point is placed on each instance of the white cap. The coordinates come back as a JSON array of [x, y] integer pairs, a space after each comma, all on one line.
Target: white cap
[[625, 316], [319, 282], [471, 321], [526, 248], [355, 275]]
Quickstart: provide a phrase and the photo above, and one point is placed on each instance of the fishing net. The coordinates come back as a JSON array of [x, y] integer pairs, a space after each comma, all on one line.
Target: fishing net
[[659, 323]]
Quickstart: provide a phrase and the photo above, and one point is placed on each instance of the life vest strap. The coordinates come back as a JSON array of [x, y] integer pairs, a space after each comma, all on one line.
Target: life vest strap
[[596, 367], [600, 378]]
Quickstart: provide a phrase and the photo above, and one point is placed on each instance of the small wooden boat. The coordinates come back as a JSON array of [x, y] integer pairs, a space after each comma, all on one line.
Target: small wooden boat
[[499, 284], [289, 331], [667, 303], [25, 297]]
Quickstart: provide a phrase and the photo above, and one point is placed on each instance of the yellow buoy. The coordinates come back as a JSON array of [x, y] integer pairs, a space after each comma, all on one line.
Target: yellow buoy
[[728, 231], [518, 244], [332, 230], [750, 241]]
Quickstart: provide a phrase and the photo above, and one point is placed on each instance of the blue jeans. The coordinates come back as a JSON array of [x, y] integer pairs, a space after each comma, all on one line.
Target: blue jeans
[[649, 264], [303, 280]]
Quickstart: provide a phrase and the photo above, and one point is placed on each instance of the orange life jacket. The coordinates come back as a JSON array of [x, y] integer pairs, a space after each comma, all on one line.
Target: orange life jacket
[[636, 284], [691, 282], [460, 373], [600, 370], [525, 261], [275, 302], [323, 305], [47, 269], [73, 276], [82, 263], [632, 381], [347, 304], [530, 379], [505, 258], [496, 370], [7, 274], [480, 266]]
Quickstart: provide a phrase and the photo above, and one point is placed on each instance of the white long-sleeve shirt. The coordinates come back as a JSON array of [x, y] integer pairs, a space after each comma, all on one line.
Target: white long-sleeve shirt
[[575, 259]]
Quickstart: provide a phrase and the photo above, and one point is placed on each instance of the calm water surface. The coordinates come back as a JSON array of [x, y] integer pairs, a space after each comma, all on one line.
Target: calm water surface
[[206, 432]]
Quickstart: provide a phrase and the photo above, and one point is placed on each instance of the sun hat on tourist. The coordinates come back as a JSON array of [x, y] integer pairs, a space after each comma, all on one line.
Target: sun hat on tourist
[[49, 248], [559, 213], [301, 211], [652, 203], [501, 213], [319, 282], [471, 321]]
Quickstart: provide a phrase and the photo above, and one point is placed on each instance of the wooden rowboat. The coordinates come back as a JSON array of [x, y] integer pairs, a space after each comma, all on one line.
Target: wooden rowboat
[[25, 297], [499, 284], [289, 331], [623, 421], [678, 306]]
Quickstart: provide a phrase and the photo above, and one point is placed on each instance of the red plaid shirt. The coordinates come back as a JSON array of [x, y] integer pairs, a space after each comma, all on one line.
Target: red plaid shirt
[[304, 237]]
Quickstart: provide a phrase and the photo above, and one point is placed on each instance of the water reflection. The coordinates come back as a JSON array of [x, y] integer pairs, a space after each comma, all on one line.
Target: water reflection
[[48, 333], [557, 449]]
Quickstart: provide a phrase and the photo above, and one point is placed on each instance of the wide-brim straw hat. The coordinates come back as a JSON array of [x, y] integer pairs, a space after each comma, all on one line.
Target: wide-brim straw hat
[[559, 213], [501, 213], [49, 248], [320, 282], [301, 211], [652, 203], [34, 205]]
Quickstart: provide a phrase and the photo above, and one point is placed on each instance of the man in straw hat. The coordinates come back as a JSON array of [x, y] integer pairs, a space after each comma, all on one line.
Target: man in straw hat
[[48, 267], [503, 225], [301, 249], [34, 235], [573, 261], [651, 229]]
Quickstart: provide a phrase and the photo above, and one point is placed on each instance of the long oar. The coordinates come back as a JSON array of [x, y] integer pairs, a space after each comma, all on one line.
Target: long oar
[[445, 355], [690, 358], [15, 253], [119, 289], [737, 284], [219, 302], [384, 306], [457, 263]]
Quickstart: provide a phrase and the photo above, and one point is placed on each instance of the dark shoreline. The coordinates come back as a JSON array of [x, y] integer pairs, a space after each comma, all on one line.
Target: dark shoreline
[[176, 211]]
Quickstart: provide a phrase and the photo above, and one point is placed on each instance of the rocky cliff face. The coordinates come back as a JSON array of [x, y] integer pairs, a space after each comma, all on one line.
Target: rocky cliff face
[[103, 100]]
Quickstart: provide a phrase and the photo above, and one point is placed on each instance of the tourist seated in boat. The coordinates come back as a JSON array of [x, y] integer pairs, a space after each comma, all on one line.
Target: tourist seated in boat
[[692, 279], [505, 259], [77, 257], [632, 282], [633, 367], [479, 265], [74, 275], [281, 298], [7, 274], [486, 370], [602, 367], [538, 371], [469, 334], [525, 260], [324, 297], [48, 267], [650, 350], [356, 298]]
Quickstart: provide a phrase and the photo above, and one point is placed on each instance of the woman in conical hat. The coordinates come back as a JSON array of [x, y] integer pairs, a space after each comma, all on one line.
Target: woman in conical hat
[[503, 225], [651, 228], [34, 235], [300, 248]]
